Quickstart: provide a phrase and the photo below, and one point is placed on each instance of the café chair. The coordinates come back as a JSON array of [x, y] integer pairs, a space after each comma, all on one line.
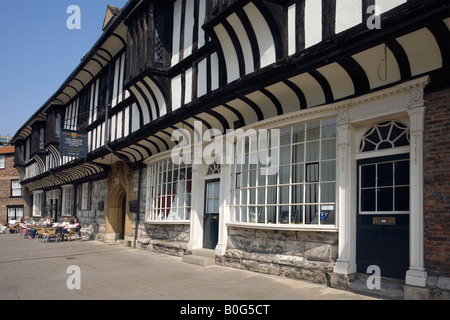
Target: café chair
[[51, 232], [72, 232], [40, 232], [12, 228]]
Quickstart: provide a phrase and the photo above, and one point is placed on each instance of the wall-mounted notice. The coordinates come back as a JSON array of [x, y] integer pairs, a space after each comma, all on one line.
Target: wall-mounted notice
[[73, 144]]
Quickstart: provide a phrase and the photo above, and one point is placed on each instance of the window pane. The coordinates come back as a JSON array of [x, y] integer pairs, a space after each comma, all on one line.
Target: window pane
[[272, 195], [271, 214], [312, 193], [285, 136], [297, 194], [328, 128], [385, 175], [401, 173], [368, 176], [284, 215], [328, 192], [272, 179], [313, 130], [312, 172], [298, 174], [297, 214], [285, 155], [298, 153], [299, 133], [385, 199], [284, 195], [312, 151], [253, 178], [328, 215], [328, 172], [329, 149], [244, 196], [252, 196], [244, 211], [402, 199], [285, 174], [368, 200], [311, 215]]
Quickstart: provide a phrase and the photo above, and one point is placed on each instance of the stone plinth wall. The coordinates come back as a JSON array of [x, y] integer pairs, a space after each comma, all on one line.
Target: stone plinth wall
[[165, 238], [93, 220], [300, 255]]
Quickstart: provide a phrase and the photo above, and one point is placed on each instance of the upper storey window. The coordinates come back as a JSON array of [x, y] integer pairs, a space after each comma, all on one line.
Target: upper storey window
[[161, 16], [149, 38]]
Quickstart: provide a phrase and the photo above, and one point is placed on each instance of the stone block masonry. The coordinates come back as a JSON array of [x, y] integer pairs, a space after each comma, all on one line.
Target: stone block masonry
[[299, 255], [165, 238]]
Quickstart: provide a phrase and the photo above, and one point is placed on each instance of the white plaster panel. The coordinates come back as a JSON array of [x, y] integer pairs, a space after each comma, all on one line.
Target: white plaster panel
[[313, 22], [348, 14], [264, 35], [231, 59], [340, 82], [288, 99], [373, 63], [311, 89], [422, 50], [238, 27]]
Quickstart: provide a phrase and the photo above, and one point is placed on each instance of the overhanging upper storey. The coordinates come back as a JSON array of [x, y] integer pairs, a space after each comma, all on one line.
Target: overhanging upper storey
[[262, 62], [253, 35], [81, 103]]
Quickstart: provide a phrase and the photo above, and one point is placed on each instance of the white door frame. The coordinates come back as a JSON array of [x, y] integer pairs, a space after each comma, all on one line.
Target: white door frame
[[403, 100]]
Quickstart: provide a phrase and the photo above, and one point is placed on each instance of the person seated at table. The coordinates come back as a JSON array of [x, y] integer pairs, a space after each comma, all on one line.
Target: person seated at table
[[48, 221], [32, 233], [12, 222], [67, 227], [78, 226], [65, 222], [24, 225]]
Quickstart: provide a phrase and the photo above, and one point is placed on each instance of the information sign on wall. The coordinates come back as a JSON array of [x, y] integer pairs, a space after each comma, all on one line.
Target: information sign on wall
[[73, 144]]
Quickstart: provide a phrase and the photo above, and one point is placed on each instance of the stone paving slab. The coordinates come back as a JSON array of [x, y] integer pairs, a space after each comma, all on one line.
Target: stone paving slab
[[38, 271]]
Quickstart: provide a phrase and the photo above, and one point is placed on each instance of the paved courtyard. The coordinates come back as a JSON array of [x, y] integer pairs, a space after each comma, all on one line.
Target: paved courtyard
[[90, 270]]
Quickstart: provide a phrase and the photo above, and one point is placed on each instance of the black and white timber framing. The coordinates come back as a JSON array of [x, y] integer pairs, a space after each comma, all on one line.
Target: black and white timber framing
[[160, 66], [229, 66]]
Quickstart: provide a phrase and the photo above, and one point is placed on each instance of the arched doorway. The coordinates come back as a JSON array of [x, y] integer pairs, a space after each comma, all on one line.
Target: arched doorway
[[118, 218]]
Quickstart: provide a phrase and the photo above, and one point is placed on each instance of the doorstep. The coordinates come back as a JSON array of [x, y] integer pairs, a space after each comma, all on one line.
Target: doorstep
[[390, 289], [200, 257]]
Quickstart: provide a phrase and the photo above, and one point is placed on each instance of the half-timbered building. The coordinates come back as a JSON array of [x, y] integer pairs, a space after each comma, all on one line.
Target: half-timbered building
[[298, 138]]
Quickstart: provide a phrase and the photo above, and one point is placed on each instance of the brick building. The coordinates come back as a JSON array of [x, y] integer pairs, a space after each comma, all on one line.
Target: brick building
[[12, 204], [334, 118]]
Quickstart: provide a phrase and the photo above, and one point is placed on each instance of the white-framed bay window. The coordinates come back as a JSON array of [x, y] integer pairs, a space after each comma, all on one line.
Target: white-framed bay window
[[37, 203], [301, 191], [168, 191], [67, 200]]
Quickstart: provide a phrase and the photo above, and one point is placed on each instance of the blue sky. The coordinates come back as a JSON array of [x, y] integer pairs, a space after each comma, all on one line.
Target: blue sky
[[38, 52]]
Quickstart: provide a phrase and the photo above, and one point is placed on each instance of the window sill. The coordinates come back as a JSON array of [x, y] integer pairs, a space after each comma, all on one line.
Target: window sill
[[287, 227], [169, 222]]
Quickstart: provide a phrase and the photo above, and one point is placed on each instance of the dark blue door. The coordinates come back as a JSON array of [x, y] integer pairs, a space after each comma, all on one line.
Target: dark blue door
[[383, 215], [211, 214]]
